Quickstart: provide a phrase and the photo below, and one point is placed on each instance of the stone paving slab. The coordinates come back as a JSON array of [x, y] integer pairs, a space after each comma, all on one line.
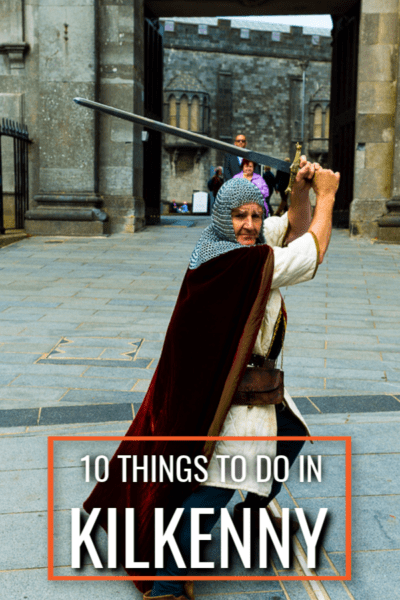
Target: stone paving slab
[[98, 406], [98, 397], [354, 354], [65, 382], [25, 339], [19, 417], [311, 372], [375, 574], [35, 395], [78, 414], [356, 404], [23, 347], [380, 512], [114, 428], [296, 590], [45, 369], [364, 386], [16, 583], [19, 495]]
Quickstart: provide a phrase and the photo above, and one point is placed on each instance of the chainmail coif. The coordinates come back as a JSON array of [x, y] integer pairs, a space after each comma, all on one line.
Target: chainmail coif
[[219, 237]]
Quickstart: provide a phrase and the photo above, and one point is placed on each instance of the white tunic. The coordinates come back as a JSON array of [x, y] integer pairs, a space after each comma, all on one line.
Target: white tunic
[[293, 264]]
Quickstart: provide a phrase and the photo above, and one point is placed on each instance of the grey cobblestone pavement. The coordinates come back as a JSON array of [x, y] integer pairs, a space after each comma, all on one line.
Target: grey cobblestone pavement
[[82, 322]]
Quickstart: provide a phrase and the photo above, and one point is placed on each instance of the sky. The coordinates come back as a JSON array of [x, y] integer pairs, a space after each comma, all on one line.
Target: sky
[[324, 21]]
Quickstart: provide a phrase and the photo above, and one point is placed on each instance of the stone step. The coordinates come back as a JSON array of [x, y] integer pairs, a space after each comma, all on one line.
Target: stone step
[[11, 238]]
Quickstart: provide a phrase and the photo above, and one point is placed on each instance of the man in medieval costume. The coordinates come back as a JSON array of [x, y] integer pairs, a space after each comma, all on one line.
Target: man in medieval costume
[[214, 374]]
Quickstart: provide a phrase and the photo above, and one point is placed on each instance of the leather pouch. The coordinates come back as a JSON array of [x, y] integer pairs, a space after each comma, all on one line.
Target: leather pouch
[[260, 386]]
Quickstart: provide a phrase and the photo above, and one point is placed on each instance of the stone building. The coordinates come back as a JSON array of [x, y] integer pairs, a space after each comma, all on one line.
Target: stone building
[[83, 169], [222, 77], [90, 174]]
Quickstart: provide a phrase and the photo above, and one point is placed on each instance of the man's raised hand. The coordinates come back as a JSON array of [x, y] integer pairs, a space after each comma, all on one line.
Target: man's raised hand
[[325, 182]]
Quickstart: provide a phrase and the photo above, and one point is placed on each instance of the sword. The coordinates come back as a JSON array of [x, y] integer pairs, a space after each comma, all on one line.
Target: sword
[[256, 157]]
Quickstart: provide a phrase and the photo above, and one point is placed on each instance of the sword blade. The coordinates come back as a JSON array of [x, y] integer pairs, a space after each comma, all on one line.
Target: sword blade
[[257, 157]]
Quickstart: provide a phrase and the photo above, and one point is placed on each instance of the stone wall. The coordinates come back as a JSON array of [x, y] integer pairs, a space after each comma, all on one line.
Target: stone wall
[[85, 170], [266, 91], [376, 111]]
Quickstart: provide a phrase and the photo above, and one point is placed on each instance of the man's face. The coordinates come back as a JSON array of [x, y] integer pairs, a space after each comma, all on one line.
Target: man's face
[[247, 222], [240, 141]]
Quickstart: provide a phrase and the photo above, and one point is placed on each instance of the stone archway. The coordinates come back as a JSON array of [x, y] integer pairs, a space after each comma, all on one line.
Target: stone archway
[[346, 18]]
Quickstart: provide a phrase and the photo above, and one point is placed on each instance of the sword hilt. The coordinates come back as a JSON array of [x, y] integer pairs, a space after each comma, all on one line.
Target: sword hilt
[[294, 168]]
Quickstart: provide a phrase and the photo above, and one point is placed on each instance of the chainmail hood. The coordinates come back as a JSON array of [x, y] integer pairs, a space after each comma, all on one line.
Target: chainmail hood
[[219, 237]]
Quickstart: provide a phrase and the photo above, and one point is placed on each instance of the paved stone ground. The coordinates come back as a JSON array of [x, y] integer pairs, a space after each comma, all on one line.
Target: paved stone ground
[[81, 328]]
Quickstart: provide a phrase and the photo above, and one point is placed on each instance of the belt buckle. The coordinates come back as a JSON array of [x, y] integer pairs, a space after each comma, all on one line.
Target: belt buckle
[[256, 360]]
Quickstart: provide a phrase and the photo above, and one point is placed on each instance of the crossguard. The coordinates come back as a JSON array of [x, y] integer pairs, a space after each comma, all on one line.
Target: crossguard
[[294, 168]]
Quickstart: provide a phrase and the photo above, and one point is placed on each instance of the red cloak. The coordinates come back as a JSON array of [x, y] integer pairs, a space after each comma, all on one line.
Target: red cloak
[[207, 347]]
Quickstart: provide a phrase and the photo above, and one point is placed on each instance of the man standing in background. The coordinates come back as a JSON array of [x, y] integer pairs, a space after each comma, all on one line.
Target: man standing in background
[[214, 184], [269, 179], [281, 183], [233, 164]]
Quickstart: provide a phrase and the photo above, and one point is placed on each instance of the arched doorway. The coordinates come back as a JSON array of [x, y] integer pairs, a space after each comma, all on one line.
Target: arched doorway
[[342, 109]]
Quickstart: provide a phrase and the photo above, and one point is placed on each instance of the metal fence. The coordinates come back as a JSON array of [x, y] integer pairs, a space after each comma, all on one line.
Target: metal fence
[[14, 183]]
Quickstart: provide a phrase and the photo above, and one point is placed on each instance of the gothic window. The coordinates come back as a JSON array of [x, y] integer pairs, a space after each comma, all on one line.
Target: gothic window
[[184, 113], [186, 103], [172, 111], [318, 122], [195, 114]]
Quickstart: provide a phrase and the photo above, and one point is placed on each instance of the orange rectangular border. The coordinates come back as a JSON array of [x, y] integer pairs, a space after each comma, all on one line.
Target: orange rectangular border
[[50, 502]]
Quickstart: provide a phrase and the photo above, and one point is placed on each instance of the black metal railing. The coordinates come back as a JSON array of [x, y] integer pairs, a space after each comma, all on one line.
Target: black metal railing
[[20, 191]]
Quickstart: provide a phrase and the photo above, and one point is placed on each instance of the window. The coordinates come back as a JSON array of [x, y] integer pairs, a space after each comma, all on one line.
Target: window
[[172, 111], [186, 104], [195, 114], [184, 113], [317, 122]]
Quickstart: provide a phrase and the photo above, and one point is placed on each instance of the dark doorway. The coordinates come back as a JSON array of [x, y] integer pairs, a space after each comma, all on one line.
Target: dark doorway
[[343, 108], [153, 89]]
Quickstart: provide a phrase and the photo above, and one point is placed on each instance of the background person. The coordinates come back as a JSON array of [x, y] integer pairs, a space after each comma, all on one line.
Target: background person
[[269, 179], [214, 184], [233, 163], [281, 183], [248, 173], [184, 208]]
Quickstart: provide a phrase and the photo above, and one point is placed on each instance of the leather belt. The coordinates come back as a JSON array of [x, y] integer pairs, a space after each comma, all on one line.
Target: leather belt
[[256, 360]]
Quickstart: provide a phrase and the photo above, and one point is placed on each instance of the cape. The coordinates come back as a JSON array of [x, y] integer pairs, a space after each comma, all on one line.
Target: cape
[[207, 347]]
